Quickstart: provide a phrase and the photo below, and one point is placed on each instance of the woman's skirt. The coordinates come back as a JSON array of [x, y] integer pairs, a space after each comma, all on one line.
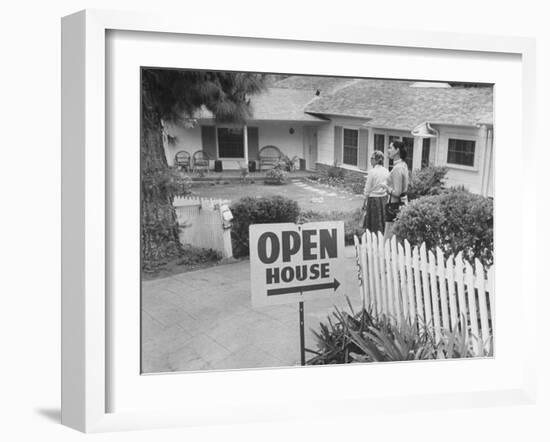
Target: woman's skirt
[[375, 219]]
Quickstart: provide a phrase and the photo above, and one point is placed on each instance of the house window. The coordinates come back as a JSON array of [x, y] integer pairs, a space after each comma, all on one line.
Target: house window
[[461, 152], [351, 142], [409, 145], [391, 139], [230, 142], [379, 142]]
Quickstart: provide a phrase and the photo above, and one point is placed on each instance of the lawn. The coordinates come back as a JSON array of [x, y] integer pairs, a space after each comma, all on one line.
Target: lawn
[[310, 196], [317, 203]]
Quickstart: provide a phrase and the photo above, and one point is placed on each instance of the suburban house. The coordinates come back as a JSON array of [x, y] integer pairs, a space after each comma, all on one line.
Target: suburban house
[[326, 121]]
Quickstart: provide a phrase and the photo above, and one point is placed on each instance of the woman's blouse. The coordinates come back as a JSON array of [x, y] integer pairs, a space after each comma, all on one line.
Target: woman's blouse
[[376, 181]]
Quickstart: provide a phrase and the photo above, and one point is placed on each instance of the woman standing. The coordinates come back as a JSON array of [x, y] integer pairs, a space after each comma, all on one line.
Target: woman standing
[[398, 184], [375, 194]]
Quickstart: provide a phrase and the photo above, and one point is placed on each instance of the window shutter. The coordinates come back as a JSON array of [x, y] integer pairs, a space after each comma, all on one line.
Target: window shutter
[[362, 149], [338, 145], [253, 142], [208, 134]]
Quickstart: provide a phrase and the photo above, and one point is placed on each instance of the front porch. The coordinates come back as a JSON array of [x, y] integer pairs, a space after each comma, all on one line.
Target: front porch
[[233, 147]]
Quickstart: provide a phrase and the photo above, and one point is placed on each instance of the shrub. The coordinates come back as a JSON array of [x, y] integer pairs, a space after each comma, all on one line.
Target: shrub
[[332, 174], [334, 171], [192, 255], [276, 176], [455, 221], [249, 210], [188, 258], [427, 181], [287, 164], [171, 180]]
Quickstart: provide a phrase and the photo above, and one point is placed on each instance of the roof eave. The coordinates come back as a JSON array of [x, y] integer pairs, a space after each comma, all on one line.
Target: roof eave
[[432, 123], [328, 115]]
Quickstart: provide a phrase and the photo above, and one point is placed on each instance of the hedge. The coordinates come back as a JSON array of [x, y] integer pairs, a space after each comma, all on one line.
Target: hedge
[[427, 181], [264, 210], [455, 221]]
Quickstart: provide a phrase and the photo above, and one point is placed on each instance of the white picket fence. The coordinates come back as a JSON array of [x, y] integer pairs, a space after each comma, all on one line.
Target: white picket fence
[[203, 224], [407, 284]]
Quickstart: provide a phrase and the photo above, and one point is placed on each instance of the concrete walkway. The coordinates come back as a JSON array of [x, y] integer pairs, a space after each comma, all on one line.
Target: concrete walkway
[[204, 320]]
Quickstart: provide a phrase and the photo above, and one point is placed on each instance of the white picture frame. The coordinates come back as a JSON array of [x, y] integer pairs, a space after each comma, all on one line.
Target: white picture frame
[[86, 309]]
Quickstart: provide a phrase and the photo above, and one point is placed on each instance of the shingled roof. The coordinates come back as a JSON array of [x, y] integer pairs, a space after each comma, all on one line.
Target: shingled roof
[[325, 85], [278, 104], [399, 105], [392, 104], [283, 104]]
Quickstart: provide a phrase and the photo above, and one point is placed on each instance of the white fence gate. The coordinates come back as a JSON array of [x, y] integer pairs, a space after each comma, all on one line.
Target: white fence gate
[[407, 284], [203, 224]]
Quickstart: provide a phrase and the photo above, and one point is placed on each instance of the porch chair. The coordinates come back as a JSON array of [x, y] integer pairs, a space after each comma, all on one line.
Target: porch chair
[[269, 156], [182, 160], [201, 161]]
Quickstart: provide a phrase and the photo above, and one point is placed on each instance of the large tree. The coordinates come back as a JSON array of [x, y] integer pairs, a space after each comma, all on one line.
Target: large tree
[[174, 96]]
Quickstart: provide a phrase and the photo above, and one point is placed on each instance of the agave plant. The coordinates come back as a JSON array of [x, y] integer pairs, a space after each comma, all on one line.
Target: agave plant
[[335, 345], [364, 337]]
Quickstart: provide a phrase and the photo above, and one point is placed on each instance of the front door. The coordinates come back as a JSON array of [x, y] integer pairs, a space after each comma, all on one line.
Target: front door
[[310, 147]]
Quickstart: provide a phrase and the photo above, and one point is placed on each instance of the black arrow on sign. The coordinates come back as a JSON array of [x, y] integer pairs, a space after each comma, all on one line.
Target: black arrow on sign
[[305, 288]]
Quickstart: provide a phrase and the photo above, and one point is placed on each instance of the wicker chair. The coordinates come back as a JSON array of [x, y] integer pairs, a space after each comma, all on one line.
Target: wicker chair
[[182, 160], [201, 161], [269, 156]]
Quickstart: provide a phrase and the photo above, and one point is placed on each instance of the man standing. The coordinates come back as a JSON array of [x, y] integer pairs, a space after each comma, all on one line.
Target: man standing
[[398, 183]]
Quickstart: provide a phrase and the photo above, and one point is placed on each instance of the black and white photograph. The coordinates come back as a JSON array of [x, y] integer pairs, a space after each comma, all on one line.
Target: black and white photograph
[[230, 222], [299, 220]]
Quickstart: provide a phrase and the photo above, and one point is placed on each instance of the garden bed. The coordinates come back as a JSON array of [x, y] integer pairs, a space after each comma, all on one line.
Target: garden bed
[[338, 177], [192, 258]]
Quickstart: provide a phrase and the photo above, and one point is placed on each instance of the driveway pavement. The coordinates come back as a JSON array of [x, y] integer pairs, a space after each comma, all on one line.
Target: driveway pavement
[[204, 320]]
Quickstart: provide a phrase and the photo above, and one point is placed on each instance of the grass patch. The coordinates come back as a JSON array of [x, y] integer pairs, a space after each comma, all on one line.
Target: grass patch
[[352, 221]]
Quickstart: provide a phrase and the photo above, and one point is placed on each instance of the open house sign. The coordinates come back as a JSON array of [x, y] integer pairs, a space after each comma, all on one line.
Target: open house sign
[[292, 263]]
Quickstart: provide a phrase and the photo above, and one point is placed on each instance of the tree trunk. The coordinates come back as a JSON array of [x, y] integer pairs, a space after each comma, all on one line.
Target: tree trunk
[[159, 226]]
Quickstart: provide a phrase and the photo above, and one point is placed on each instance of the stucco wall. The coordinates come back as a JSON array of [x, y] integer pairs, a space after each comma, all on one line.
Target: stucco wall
[[186, 139], [278, 134]]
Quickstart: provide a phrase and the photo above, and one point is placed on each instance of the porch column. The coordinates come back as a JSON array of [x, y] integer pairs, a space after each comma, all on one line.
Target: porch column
[[489, 188], [484, 159], [245, 138], [417, 153], [370, 146]]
